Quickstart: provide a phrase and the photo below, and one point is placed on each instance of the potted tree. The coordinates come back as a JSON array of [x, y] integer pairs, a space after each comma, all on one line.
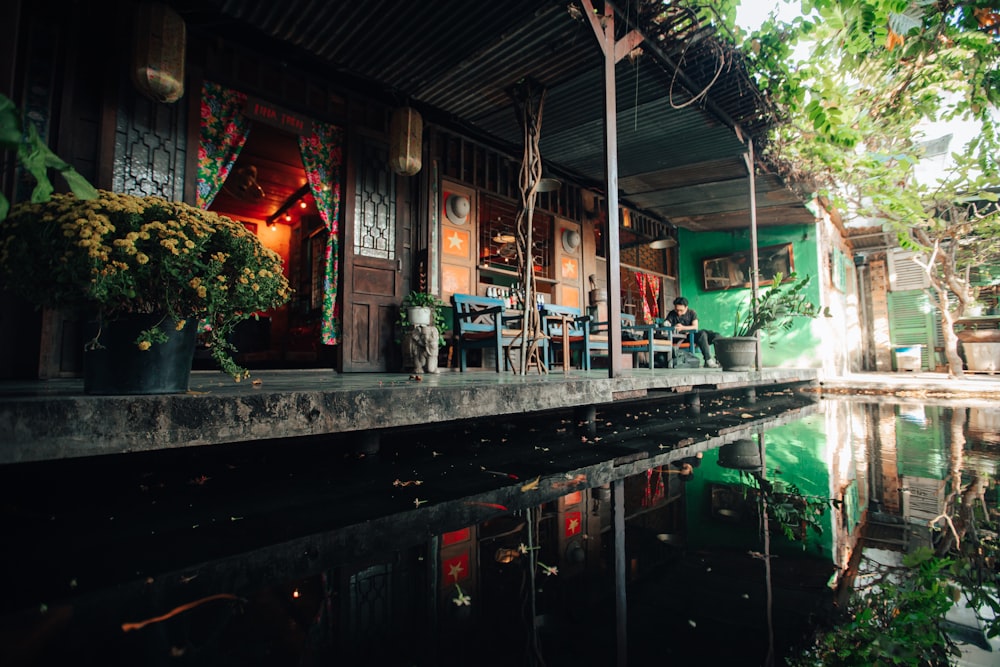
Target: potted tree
[[149, 272], [146, 270], [771, 313]]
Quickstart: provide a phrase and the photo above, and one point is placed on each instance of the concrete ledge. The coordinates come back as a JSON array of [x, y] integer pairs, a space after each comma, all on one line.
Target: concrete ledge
[[54, 419]]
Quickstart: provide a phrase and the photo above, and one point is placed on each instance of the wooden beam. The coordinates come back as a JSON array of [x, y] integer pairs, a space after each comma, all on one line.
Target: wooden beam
[[292, 198]]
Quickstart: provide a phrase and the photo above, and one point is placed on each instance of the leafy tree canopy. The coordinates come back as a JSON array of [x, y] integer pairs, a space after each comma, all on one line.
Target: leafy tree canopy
[[853, 83]]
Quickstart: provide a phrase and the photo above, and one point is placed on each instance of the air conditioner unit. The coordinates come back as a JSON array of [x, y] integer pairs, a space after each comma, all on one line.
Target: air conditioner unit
[[904, 273]]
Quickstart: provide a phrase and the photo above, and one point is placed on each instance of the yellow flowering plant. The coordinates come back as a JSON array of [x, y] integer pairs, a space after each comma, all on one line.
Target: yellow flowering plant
[[122, 254]]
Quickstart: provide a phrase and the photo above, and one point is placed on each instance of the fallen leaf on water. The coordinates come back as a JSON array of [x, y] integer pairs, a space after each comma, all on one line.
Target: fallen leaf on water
[[496, 506], [746, 415], [126, 627]]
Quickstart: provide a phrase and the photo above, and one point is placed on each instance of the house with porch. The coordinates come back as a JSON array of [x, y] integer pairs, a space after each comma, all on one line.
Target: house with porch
[[343, 135]]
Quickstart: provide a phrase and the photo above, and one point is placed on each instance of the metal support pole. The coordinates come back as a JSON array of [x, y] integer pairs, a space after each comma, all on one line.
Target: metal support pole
[[754, 274]]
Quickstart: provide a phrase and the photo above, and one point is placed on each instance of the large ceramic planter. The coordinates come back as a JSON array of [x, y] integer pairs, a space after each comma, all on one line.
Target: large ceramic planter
[[116, 365], [736, 353], [418, 315], [982, 357], [742, 454]]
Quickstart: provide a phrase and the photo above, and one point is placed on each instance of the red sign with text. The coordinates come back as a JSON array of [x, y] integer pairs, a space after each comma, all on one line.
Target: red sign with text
[[265, 112]]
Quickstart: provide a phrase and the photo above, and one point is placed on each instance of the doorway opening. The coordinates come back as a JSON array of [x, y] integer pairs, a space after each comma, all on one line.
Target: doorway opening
[[267, 191]]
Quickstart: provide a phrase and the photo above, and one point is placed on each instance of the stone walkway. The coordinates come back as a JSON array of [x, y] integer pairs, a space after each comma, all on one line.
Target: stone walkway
[[914, 385]]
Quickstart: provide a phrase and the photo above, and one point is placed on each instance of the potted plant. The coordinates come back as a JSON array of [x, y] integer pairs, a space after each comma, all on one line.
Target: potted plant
[[772, 312], [421, 308], [122, 256]]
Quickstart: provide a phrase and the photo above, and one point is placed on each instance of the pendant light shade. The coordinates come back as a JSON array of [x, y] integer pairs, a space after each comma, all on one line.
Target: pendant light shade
[[406, 131], [158, 51], [663, 244]]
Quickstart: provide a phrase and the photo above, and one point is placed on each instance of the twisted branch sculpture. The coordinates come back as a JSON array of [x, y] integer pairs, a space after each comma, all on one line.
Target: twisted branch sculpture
[[530, 98]]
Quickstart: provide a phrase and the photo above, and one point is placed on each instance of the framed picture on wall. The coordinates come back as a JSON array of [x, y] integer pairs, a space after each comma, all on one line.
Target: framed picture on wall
[[733, 270]]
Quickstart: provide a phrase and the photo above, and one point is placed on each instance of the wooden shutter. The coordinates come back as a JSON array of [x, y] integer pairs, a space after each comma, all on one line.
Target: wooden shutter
[[912, 321]]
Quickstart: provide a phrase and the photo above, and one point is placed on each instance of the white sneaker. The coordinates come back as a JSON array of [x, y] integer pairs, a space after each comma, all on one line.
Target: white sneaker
[[711, 363]]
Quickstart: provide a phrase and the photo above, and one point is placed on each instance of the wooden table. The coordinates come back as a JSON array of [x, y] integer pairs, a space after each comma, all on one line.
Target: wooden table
[[566, 321]]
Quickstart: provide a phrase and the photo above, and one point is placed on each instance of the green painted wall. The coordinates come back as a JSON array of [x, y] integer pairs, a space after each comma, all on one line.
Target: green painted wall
[[796, 454], [717, 310]]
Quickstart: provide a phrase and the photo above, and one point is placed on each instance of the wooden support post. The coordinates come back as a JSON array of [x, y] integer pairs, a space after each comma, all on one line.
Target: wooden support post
[[621, 604], [604, 29]]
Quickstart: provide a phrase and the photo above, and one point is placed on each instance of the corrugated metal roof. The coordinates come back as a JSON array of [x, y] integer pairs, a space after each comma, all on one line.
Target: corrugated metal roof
[[461, 59]]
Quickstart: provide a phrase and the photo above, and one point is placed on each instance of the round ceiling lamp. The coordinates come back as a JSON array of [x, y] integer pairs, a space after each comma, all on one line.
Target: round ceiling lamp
[[548, 184], [663, 244]]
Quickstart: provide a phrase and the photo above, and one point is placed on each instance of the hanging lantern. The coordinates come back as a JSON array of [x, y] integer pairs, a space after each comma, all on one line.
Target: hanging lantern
[[158, 45], [406, 131]]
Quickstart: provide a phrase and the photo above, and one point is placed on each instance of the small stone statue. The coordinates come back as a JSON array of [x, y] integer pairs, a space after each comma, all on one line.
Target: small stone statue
[[420, 345]]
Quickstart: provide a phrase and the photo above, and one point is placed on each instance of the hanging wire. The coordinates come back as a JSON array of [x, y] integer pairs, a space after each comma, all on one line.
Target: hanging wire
[[718, 72]]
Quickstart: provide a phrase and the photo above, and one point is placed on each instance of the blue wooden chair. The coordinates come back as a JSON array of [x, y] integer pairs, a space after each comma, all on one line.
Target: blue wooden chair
[[681, 341], [479, 324]]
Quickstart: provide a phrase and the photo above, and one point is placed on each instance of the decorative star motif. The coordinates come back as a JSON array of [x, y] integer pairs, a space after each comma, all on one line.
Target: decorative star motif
[[455, 570], [455, 241], [574, 525], [569, 268]]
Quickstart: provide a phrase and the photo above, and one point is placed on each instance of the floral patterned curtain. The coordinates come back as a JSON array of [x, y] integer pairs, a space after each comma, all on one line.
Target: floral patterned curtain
[[224, 131], [649, 295], [321, 156], [654, 297], [650, 301]]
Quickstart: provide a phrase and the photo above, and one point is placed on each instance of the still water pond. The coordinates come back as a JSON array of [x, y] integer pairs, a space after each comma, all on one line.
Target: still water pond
[[653, 532]]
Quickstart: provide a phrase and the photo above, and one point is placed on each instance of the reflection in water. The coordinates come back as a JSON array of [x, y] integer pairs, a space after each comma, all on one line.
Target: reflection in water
[[653, 532]]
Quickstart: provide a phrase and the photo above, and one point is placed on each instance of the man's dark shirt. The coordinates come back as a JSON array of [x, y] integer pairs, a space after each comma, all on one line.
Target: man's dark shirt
[[687, 319]]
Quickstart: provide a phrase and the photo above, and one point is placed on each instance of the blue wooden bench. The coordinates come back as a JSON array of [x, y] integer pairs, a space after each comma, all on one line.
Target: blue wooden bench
[[480, 323]]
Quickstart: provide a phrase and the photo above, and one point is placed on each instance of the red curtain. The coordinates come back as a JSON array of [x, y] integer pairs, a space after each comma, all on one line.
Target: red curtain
[[649, 296]]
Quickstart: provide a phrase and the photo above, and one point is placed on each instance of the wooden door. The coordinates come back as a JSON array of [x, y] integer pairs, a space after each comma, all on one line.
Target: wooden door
[[372, 261]]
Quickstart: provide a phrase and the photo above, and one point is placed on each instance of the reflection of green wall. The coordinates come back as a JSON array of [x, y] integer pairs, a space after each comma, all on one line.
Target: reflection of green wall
[[717, 310], [797, 451], [920, 447]]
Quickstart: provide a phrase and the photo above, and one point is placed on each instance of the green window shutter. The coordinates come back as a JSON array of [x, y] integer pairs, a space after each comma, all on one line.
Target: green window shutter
[[912, 321]]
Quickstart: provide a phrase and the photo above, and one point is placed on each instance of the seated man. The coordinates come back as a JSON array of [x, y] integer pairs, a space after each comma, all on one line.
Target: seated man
[[685, 320]]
